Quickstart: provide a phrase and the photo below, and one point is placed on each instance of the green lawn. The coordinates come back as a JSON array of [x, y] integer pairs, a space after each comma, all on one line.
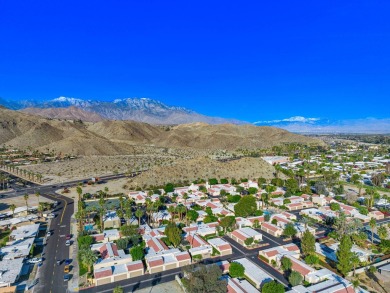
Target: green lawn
[[4, 237]]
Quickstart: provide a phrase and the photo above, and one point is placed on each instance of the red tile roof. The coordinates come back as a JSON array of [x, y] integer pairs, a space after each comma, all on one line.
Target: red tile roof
[[102, 274], [184, 256], [270, 227], [156, 263], [135, 266], [238, 235], [224, 247]]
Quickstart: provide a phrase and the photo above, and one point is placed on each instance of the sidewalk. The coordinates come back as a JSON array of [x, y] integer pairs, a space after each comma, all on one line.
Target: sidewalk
[[73, 284]]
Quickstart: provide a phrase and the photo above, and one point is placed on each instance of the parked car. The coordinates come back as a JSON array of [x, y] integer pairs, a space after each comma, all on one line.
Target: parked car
[[66, 278], [58, 262], [66, 269], [68, 261], [35, 260], [67, 243], [68, 237], [49, 233]]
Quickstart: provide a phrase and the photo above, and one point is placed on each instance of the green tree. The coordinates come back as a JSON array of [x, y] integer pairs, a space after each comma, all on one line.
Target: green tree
[[372, 225], [384, 246], [236, 270], [224, 181], [79, 192], [12, 207], [213, 181], [308, 243], [137, 253], [295, 278], [192, 215], [26, 200], [334, 206], [354, 261], [128, 230], [382, 232], [88, 257], [312, 259], [202, 278], [252, 190], [344, 255], [173, 233], [139, 213], [122, 243], [248, 241], [85, 242], [292, 185], [289, 230], [286, 264], [246, 206], [227, 223], [272, 287], [169, 187]]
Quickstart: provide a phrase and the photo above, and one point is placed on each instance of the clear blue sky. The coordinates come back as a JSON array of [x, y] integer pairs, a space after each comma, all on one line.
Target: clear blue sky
[[251, 60]]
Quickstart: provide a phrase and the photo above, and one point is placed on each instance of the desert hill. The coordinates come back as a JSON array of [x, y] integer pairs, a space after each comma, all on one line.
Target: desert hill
[[70, 113], [119, 137], [190, 170]]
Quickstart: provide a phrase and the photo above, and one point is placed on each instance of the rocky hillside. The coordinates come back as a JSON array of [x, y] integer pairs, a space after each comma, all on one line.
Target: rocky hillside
[[119, 137], [70, 113]]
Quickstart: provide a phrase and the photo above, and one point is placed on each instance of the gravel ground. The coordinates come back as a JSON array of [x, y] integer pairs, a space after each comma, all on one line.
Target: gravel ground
[[169, 287]]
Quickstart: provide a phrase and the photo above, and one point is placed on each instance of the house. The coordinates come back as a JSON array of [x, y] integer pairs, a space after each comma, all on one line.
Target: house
[[166, 260], [202, 229], [249, 184], [23, 232], [241, 235], [155, 245], [111, 220], [289, 216], [199, 246], [139, 197], [17, 248], [329, 251], [223, 247], [240, 286], [110, 255], [332, 284], [276, 253], [272, 229], [305, 270], [280, 220], [317, 214], [160, 216], [255, 274], [377, 215], [11, 270], [301, 228], [115, 273], [107, 236]]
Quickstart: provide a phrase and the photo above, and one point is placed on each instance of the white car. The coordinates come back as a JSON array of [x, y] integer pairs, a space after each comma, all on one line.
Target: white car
[[48, 233], [51, 216], [67, 243], [35, 260]]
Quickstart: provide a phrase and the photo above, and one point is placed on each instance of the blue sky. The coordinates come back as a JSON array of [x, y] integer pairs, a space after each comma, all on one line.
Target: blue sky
[[251, 60]]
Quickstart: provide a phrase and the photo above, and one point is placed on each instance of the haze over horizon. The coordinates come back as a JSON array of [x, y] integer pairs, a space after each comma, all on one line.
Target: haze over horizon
[[251, 61]]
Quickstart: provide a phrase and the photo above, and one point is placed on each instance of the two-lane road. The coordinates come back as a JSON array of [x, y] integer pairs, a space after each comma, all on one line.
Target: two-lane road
[[51, 276]]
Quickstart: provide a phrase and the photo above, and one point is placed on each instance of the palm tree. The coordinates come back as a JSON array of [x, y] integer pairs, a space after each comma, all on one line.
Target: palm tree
[[139, 213], [372, 224], [171, 210], [355, 283], [26, 200], [354, 261], [102, 209], [79, 191], [37, 194], [185, 197], [88, 257], [12, 207], [382, 232], [41, 208]]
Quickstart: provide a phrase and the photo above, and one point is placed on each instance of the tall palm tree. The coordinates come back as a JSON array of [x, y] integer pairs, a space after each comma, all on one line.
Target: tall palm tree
[[372, 224], [171, 210], [88, 257], [102, 209], [12, 207], [139, 213], [79, 191], [354, 261], [26, 200], [37, 194]]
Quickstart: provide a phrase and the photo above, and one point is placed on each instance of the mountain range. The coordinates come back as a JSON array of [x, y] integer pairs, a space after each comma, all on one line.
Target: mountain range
[[136, 109], [109, 137]]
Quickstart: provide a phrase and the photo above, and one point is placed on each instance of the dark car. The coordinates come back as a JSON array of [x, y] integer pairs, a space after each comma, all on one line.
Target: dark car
[[66, 278], [68, 237], [68, 261]]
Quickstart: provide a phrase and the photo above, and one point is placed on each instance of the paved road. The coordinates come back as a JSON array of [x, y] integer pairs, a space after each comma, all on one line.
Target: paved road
[[50, 275]]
